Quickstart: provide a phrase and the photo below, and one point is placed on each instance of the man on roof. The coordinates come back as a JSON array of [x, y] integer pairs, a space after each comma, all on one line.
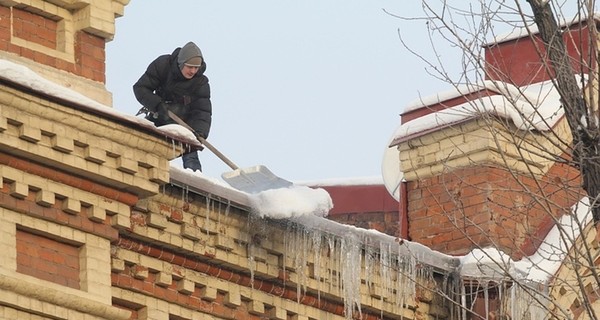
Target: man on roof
[[176, 82]]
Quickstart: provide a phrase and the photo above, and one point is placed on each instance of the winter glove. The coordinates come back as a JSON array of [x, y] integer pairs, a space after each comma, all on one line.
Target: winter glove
[[160, 110]]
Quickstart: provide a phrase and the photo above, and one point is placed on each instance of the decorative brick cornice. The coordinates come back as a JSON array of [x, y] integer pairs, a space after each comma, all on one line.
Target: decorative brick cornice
[[86, 144], [482, 141]]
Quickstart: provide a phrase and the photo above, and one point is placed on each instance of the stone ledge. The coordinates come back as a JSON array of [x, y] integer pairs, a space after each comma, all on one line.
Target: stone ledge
[[480, 142], [15, 291]]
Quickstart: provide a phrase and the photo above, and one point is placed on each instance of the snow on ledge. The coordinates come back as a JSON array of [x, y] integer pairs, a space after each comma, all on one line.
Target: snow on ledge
[[533, 107], [492, 264], [25, 77]]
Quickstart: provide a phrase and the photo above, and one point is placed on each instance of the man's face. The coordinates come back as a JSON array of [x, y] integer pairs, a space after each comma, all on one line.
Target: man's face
[[188, 72]]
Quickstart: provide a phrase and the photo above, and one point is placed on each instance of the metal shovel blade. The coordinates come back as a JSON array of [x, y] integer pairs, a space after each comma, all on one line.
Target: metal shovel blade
[[251, 180], [254, 179]]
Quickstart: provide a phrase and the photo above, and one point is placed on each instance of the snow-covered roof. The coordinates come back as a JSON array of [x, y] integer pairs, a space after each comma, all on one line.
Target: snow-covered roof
[[27, 78], [533, 107], [533, 29]]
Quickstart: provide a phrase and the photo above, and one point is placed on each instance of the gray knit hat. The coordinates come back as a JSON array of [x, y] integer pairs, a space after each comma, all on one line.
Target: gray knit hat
[[189, 55]]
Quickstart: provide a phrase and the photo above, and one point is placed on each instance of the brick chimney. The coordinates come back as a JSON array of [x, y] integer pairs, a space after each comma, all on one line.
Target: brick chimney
[[482, 181], [519, 58], [64, 36]]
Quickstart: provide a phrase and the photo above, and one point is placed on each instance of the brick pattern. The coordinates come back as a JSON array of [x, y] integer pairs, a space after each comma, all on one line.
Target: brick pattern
[[480, 141], [483, 206], [48, 200], [574, 288], [75, 142], [47, 259], [35, 28], [90, 56], [67, 39], [201, 259], [471, 184], [365, 206], [44, 297]]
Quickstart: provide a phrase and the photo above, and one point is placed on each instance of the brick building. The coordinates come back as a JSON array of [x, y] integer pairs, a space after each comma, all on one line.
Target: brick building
[[95, 223]]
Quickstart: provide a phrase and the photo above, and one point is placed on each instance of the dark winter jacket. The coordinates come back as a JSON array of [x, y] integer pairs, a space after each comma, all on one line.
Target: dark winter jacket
[[188, 98]]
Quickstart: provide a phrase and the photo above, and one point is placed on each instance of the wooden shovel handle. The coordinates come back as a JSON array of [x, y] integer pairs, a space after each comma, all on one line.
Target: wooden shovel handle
[[210, 147]]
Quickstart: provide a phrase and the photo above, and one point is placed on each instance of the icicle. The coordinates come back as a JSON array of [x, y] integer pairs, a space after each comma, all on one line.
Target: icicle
[[486, 297], [251, 263], [174, 146], [317, 252], [305, 254], [350, 255], [331, 262], [384, 269], [227, 208], [296, 262], [369, 253], [463, 300], [286, 244], [338, 264], [208, 202], [184, 194]]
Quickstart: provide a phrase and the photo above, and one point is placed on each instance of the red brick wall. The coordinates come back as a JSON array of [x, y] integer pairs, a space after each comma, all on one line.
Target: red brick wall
[[89, 49], [518, 61], [385, 222], [90, 56], [34, 28], [483, 206], [48, 259], [364, 206], [55, 213]]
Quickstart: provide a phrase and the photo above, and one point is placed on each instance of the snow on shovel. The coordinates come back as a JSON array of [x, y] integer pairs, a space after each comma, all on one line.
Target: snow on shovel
[[251, 180]]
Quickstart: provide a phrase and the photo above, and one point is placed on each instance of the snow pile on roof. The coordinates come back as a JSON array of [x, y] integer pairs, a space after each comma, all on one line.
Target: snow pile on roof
[[533, 107], [487, 263], [177, 131], [278, 203], [291, 202], [544, 263]]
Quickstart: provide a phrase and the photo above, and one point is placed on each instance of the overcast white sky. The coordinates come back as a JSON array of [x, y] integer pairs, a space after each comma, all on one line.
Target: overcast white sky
[[311, 89]]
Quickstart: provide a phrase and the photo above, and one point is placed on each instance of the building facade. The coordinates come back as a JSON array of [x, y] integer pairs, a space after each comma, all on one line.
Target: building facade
[[97, 225]]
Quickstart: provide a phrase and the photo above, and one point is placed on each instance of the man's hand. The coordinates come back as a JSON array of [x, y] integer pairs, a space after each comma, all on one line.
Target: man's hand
[[161, 109]]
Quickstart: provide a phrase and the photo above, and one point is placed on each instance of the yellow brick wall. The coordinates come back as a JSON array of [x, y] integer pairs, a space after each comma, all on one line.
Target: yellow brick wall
[[481, 141], [96, 18]]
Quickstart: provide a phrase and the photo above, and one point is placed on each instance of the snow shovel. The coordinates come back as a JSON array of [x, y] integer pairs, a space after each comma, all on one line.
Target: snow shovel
[[251, 180]]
